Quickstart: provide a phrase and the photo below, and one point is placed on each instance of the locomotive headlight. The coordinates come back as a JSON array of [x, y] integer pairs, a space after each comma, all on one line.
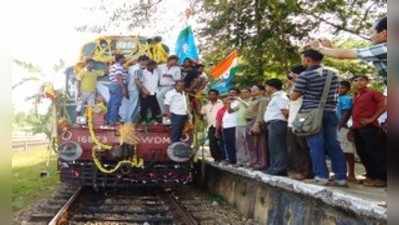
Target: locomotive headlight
[[70, 151], [180, 152]]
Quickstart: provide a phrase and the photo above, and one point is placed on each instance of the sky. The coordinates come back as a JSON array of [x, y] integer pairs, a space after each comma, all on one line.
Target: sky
[[43, 32]]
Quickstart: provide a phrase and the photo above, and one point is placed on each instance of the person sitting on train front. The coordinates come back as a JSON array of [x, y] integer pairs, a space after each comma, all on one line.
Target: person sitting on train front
[[176, 109]]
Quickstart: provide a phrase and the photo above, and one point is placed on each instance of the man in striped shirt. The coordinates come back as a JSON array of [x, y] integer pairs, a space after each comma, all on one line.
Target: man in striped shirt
[[376, 53], [117, 89], [310, 85]]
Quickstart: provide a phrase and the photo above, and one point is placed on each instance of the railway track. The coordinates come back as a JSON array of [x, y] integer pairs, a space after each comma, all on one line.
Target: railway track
[[181, 206]]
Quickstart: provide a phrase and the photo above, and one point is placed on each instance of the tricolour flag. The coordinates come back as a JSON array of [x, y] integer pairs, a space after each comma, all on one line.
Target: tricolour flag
[[226, 67], [224, 73], [185, 45]]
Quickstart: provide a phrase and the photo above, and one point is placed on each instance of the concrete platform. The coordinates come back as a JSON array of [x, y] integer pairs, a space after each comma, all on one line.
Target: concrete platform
[[281, 200]]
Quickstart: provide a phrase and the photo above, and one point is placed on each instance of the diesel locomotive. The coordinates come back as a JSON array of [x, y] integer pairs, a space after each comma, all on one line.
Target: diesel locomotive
[[91, 153]]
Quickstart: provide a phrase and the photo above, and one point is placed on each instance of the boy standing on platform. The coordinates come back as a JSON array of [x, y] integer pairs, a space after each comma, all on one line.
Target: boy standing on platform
[[344, 111]]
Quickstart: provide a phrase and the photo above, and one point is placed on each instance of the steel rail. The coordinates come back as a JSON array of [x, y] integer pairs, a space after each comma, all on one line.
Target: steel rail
[[181, 211], [61, 215]]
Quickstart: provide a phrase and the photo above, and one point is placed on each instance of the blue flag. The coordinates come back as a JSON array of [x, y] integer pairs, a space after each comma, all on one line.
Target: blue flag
[[185, 45]]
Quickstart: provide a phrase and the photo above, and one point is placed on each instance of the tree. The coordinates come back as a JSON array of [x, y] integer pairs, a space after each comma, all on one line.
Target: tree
[[269, 33], [34, 121], [126, 16]]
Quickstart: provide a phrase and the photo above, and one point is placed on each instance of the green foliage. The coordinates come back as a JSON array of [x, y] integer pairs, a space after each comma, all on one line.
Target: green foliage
[[33, 121], [268, 33]]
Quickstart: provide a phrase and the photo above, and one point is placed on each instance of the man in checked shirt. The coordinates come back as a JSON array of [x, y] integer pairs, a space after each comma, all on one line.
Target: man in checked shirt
[[376, 53]]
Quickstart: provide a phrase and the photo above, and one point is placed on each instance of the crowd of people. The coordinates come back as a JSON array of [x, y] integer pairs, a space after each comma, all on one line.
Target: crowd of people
[[254, 126]]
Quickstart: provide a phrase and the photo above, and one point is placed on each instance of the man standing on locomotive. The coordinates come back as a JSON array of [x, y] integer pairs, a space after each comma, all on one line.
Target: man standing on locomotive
[[130, 106], [170, 73], [148, 85], [86, 86], [176, 109], [117, 89]]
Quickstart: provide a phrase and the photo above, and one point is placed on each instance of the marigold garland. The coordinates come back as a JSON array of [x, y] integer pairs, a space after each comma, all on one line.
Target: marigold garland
[[100, 147], [138, 163]]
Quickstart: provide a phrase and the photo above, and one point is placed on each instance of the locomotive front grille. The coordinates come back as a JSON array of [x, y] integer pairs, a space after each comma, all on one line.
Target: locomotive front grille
[[87, 174]]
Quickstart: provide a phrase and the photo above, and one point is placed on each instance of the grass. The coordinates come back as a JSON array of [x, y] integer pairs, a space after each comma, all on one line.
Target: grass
[[27, 184]]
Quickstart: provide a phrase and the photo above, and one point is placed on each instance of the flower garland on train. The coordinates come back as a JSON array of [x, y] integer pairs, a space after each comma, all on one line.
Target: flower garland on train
[[126, 135]]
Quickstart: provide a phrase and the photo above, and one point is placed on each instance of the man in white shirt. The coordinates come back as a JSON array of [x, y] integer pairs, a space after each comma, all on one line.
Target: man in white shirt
[[229, 124], [210, 111], [276, 121], [176, 109], [170, 73], [299, 162], [130, 106], [149, 87]]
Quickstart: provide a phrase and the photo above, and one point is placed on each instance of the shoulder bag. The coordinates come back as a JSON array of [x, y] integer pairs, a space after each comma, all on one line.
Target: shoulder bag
[[309, 122]]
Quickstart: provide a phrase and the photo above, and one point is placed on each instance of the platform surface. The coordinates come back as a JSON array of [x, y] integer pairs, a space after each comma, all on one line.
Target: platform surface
[[366, 201]]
